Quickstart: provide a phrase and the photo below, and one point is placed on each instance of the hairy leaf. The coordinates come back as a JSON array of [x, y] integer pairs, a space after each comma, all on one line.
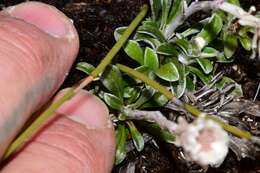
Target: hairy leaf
[[156, 131], [179, 87], [145, 96], [134, 51], [190, 31], [167, 49], [85, 67], [168, 72], [136, 136], [112, 80], [156, 6], [121, 136], [177, 9], [209, 31], [132, 94], [226, 80], [157, 100], [205, 64], [152, 42], [236, 2], [246, 42], [209, 52], [190, 86], [222, 58], [230, 44], [151, 59], [166, 6], [113, 101], [184, 45], [119, 32], [204, 78], [151, 28]]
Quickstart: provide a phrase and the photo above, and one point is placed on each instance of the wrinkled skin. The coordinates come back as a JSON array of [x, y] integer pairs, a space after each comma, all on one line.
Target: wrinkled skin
[[38, 45]]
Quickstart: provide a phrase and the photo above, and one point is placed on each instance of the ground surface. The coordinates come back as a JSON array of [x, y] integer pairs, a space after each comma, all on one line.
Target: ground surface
[[95, 21]]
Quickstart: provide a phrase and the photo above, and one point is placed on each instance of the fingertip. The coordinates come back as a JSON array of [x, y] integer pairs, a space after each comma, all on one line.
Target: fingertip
[[77, 140], [45, 17], [86, 109]]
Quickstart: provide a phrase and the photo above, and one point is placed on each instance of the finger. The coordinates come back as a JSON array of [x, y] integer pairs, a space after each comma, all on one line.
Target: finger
[[81, 139], [37, 47]]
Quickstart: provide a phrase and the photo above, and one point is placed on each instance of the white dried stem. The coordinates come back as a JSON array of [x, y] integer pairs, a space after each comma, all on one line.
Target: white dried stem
[[153, 116], [203, 141], [245, 18], [201, 6], [256, 44], [188, 11]]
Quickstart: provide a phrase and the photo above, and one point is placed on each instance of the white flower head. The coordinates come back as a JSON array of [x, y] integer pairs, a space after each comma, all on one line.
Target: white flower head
[[203, 141]]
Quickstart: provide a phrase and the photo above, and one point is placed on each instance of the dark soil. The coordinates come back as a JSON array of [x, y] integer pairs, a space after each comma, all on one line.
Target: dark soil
[[95, 21]]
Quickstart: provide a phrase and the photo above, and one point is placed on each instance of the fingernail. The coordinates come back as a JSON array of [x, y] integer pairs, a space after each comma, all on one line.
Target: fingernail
[[86, 109], [45, 17]]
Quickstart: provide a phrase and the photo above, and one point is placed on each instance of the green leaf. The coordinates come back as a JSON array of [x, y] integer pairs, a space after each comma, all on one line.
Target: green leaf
[[156, 131], [190, 84], [143, 69], [155, 8], [85, 67], [146, 71], [145, 96], [112, 80], [230, 44], [121, 136], [158, 100], [119, 32], [122, 116], [205, 64], [184, 45], [151, 58], [134, 51], [167, 49], [243, 30], [166, 6], [113, 101], [168, 72], [204, 78], [246, 42], [235, 2], [209, 52], [151, 29], [190, 31], [152, 42], [136, 136], [226, 80], [177, 9], [179, 87], [209, 31], [222, 58], [132, 94]]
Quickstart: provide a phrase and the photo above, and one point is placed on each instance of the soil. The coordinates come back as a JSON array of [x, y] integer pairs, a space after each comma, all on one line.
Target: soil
[[95, 21]]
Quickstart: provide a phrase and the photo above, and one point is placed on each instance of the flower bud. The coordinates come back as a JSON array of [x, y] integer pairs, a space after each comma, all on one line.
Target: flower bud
[[203, 141]]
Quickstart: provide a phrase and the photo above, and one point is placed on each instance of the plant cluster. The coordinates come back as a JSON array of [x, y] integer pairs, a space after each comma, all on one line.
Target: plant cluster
[[173, 80], [180, 54]]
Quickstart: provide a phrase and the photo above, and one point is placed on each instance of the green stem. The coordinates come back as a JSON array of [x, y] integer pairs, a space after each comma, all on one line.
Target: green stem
[[100, 68], [191, 109], [232, 129], [25, 135], [145, 79], [31, 129]]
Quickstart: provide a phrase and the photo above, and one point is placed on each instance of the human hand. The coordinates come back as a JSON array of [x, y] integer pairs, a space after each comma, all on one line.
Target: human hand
[[38, 44]]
